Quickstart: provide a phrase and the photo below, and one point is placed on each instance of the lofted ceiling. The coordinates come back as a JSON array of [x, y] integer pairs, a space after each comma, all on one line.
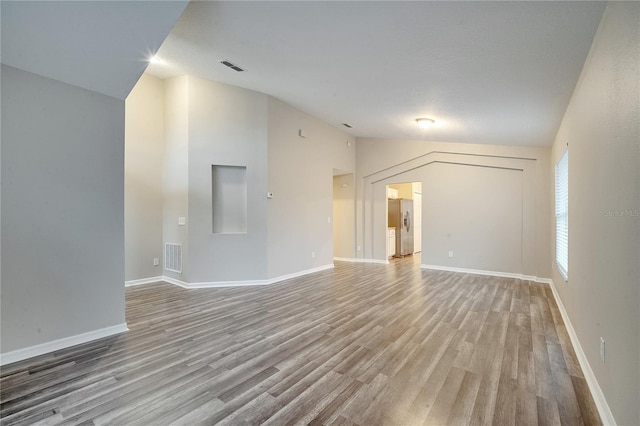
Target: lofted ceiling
[[487, 72], [97, 45]]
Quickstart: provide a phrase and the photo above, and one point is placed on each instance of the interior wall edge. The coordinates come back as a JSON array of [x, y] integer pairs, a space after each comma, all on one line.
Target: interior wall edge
[[237, 283], [361, 260], [488, 273], [142, 281], [596, 392], [598, 396], [65, 342]]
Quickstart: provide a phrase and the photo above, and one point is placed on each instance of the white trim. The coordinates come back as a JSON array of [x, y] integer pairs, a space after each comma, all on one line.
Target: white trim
[[490, 273], [142, 281], [300, 273], [56, 345], [175, 282], [359, 260], [214, 284], [598, 396], [346, 259]]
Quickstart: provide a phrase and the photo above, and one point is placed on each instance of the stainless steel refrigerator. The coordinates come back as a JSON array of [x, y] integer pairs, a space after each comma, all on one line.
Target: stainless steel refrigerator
[[401, 217]]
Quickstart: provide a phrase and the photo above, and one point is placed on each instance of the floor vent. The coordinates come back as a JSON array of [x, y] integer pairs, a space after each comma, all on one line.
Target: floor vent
[[173, 257]]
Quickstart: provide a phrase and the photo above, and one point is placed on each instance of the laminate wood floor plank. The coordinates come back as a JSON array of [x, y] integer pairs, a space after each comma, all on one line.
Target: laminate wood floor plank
[[361, 344], [588, 411], [366, 400], [526, 408], [463, 403], [446, 397], [428, 393], [548, 412]]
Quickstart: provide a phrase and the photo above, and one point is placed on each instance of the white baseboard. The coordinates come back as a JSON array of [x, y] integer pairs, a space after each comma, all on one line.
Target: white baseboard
[[175, 282], [359, 260], [143, 281], [598, 397], [601, 403], [56, 345], [490, 273], [300, 273], [215, 284]]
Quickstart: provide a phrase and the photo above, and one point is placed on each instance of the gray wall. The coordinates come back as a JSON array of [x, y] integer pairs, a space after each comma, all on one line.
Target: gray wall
[[62, 210], [144, 149], [506, 189], [344, 216], [207, 123], [227, 126], [476, 212], [301, 179], [601, 126], [175, 171]]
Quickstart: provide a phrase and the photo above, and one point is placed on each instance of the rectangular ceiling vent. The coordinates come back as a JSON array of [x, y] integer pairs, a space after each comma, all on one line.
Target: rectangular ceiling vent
[[232, 66], [173, 257]]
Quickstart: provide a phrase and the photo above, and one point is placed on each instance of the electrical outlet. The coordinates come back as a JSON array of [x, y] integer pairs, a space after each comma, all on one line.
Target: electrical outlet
[[358, 248], [313, 254], [602, 349], [156, 261], [328, 219], [450, 253]]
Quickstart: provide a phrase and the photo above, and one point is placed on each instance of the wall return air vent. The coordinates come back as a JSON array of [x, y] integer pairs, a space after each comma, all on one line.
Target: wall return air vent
[[232, 66], [173, 257]]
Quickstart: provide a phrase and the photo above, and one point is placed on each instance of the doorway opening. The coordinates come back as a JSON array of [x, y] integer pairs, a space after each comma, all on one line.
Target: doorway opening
[[404, 219], [344, 215]]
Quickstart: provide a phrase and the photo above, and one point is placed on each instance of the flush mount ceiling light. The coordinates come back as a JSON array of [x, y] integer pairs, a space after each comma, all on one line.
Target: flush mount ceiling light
[[425, 123]]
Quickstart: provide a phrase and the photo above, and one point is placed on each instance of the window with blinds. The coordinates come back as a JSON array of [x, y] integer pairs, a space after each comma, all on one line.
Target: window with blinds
[[562, 215]]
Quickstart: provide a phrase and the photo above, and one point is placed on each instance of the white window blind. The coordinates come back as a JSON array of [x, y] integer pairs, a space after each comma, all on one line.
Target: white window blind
[[562, 214]]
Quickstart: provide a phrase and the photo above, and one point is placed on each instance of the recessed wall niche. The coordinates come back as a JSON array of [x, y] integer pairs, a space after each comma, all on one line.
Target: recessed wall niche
[[229, 199]]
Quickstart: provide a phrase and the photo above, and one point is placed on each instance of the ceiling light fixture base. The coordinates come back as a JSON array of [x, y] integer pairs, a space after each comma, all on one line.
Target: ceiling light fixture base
[[425, 123]]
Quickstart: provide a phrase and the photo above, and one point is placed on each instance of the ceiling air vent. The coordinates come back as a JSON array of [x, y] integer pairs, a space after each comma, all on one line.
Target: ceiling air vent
[[232, 66], [347, 125]]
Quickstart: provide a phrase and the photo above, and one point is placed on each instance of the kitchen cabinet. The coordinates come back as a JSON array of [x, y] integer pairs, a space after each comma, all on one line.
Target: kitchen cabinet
[[391, 242]]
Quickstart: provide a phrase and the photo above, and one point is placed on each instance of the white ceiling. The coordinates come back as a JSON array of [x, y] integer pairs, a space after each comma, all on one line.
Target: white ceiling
[[97, 45], [487, 72]]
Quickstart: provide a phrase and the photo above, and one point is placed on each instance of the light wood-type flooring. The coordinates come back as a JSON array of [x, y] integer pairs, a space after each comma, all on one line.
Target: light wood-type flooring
[[360, 344]]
